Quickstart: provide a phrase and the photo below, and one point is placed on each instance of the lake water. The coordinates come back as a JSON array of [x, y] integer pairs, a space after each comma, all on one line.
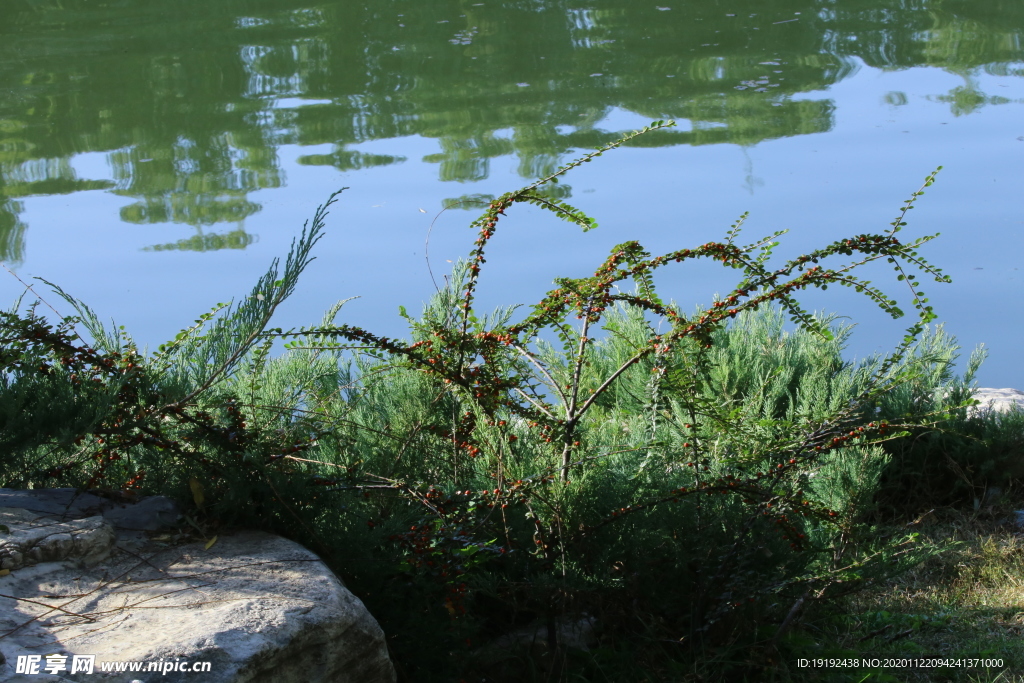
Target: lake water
[[156, 156]]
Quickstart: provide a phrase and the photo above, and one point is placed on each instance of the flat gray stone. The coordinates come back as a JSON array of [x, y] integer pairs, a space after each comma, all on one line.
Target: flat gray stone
[[32, 538], [257, 607], [56, 503], [149, 514], [146, 514]]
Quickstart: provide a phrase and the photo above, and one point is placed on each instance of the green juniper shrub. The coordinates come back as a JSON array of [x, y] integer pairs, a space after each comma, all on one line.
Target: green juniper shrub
[[103, 416], [50, 393], [719, 497], [947, 455], [491, 481], [958, 457]]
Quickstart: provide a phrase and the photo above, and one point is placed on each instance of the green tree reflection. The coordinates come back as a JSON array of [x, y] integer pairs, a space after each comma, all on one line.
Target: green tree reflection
[[12, 232], [235, 239], [190, 101]]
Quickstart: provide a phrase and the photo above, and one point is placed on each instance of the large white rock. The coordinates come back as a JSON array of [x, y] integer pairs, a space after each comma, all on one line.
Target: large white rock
[[998, 400], [256, 607]]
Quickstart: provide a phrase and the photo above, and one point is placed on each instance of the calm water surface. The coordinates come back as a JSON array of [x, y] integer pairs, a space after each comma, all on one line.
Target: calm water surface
[[155, 156]]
